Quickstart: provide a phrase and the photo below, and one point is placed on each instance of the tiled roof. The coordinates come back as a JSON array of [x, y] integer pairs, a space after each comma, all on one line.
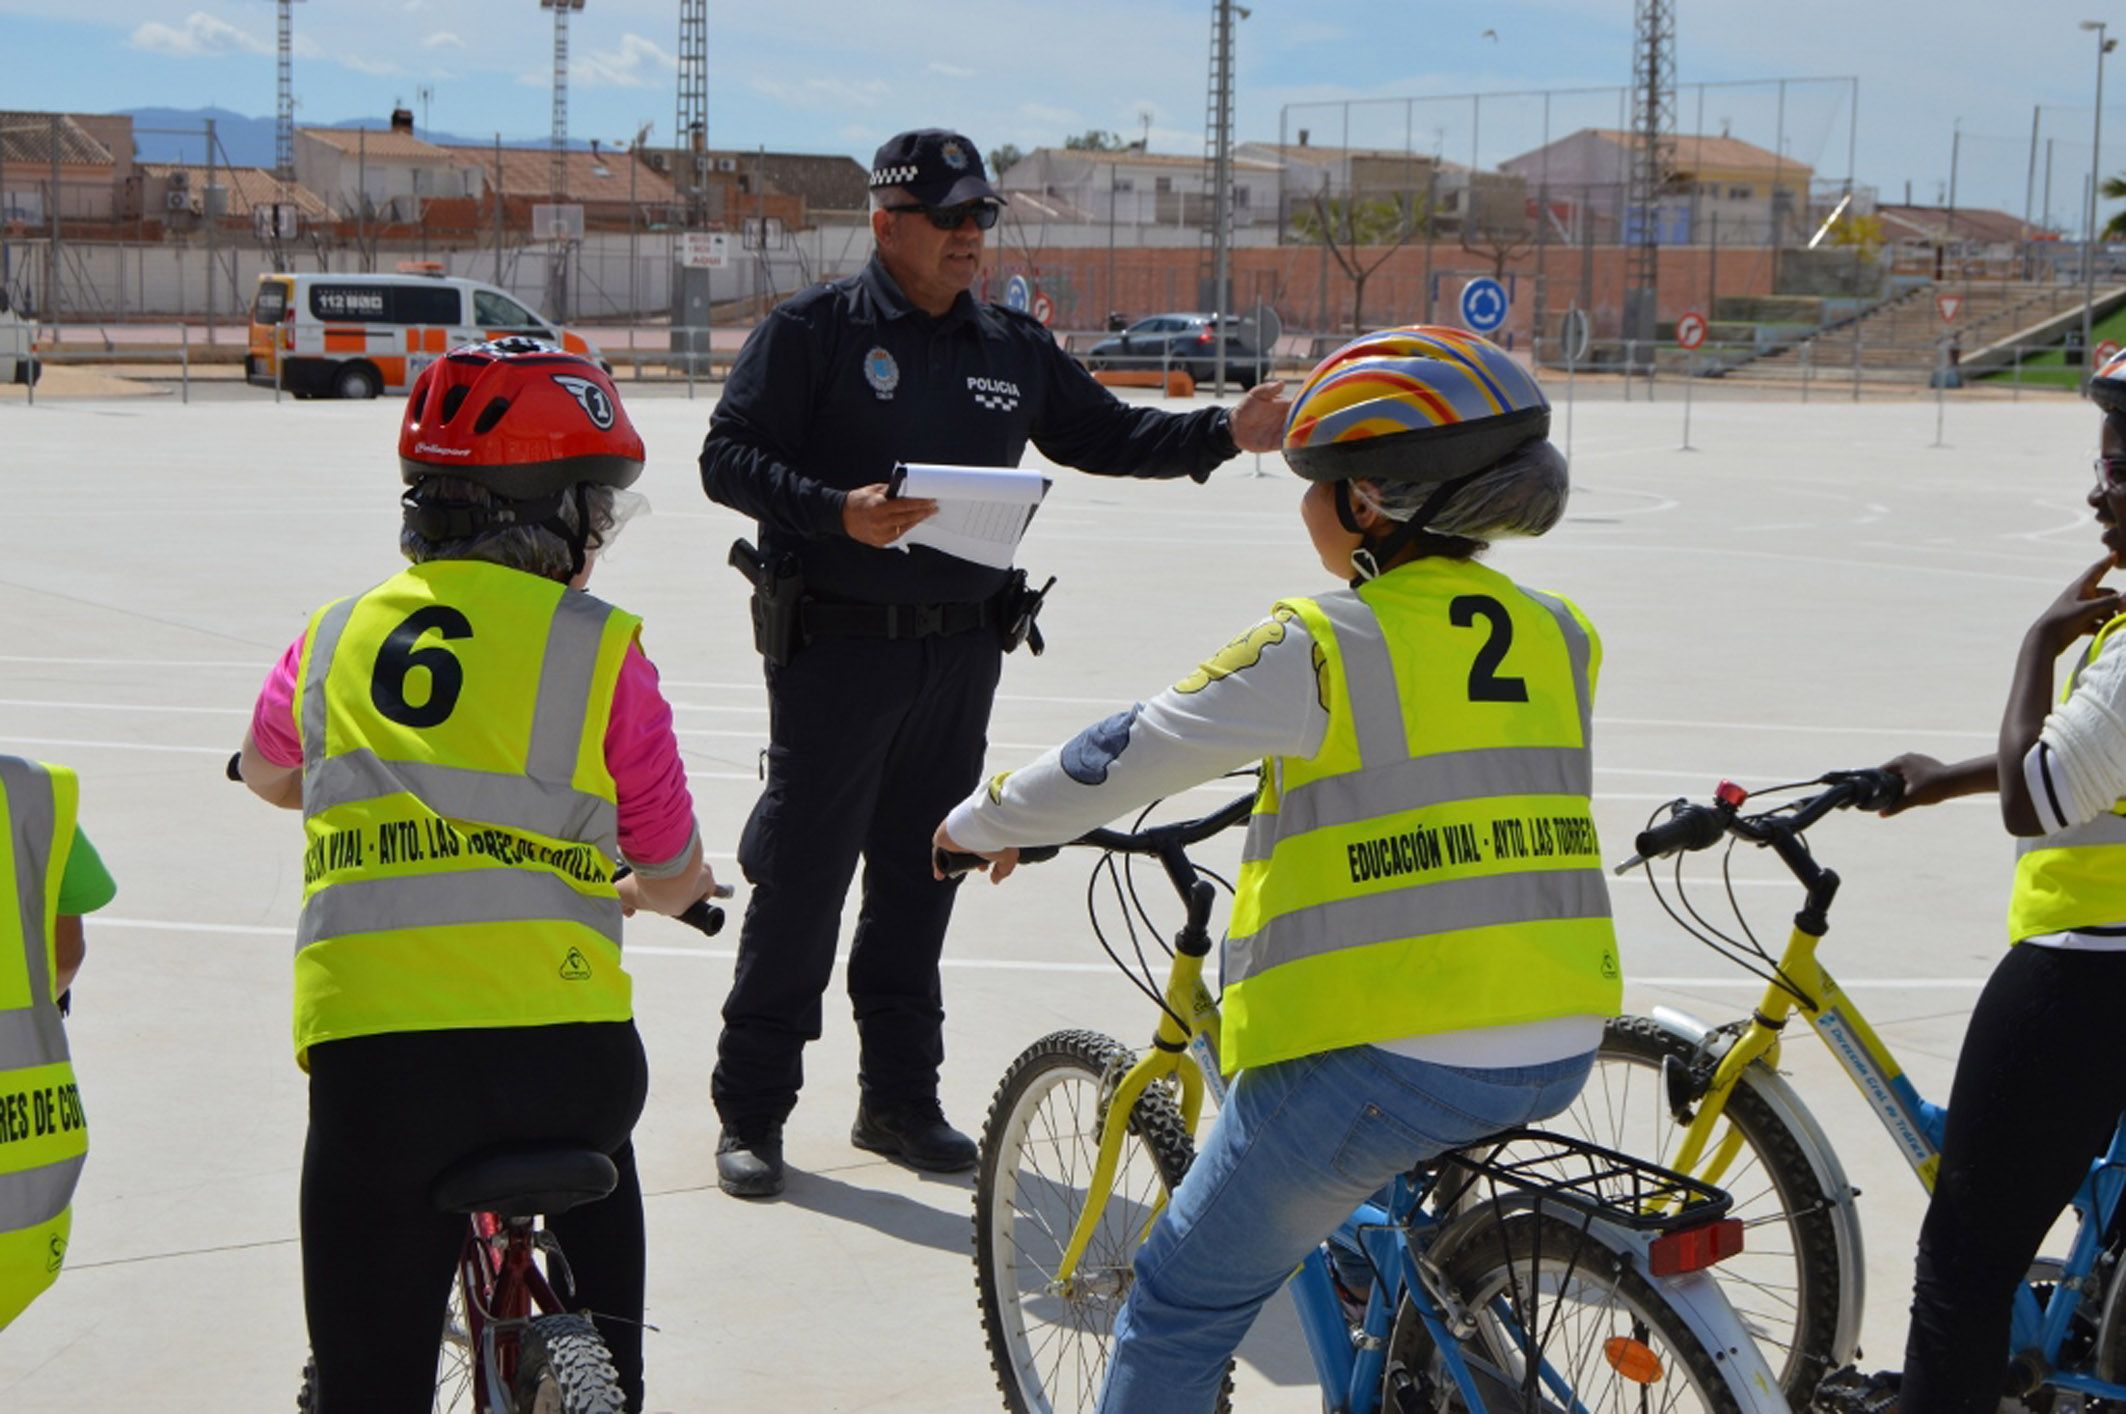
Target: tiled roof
[[1939, 223], [590, 177], [248, 187], [27, 138], [381, 143], [1133, 158], [1696, 151], [826, 181]]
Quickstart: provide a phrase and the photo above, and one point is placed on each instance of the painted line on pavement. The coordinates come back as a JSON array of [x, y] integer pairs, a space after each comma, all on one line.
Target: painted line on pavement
[[986, 964]]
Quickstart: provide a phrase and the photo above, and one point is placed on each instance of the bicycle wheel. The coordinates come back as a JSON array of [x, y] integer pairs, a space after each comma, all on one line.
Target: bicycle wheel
[[1535, 1283], [1039, 1145], [454, 1356], [1785, 1283], [563, 1367]]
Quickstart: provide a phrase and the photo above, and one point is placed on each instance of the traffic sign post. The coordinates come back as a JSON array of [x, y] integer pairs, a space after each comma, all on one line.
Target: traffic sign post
[[1484, 305], [1690, 333], [1947, 305], [2105, 353], [1576, 333], [1018, 294], [1044, 308]]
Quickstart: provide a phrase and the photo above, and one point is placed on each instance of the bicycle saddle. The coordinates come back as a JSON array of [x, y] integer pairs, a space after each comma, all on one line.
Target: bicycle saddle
[[525, 1182]]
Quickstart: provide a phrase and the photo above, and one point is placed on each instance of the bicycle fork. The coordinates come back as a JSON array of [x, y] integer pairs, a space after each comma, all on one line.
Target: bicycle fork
[[1186, 996]]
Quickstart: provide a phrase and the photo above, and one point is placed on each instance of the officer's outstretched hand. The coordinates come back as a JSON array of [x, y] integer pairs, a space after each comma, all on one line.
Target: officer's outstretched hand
[[1258, 418], [1001, 862], [871, 516]]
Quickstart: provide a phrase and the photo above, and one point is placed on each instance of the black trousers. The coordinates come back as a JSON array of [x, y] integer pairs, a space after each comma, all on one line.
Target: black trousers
[[871, 741], [390, 1113], [2039, 1087]]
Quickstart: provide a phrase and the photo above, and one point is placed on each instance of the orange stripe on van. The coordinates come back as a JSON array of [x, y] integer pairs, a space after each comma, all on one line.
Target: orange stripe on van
[[572, 343], [413, 341], [393, 371], [346, 340], [438, 341]]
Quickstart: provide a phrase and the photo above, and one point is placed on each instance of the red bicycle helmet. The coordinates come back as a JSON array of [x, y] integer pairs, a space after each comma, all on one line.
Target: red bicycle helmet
[[2107, 386], [521, 418]]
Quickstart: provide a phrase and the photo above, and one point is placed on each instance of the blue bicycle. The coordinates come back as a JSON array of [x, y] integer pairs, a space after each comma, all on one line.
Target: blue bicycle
[[1529, 1272]]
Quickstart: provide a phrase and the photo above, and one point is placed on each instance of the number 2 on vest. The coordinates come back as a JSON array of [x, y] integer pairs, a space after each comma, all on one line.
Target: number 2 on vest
[[397, 659], [1485, 684]]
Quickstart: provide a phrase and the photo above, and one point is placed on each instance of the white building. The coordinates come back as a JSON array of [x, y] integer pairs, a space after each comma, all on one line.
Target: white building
[[1137, 189], [391, 167]]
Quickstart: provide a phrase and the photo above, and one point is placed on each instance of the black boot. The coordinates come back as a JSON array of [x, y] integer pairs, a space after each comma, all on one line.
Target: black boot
[[749, 1160], [917, 1134]]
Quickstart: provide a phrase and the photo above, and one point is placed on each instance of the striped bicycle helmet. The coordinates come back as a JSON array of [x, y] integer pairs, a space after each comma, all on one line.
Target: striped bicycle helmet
[[2107, 386], [1420, 404]]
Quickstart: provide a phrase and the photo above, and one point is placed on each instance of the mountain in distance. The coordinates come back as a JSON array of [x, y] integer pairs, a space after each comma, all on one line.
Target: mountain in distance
[[177, 135]]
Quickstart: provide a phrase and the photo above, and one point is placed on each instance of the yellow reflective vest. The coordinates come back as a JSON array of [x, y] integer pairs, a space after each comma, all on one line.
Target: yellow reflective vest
[[459, 822], [2075, 878], [1434, 866], [44, 1138]]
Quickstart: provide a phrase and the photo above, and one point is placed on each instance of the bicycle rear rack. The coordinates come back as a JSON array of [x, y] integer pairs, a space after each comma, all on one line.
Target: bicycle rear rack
[[1597, 1183]]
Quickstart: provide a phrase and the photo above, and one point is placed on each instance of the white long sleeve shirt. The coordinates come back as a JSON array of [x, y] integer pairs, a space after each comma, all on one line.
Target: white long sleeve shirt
[[2077, 771], [1258, 697]]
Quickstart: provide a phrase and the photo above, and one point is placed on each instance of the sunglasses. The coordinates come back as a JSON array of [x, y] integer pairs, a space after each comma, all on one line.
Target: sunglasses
[[950, 218], [2110, 473]]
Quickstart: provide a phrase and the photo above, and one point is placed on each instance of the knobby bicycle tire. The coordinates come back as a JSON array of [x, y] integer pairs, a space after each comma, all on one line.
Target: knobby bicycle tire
[[1785, 1284], [1039, 1143], [1585, 1296], [563, 1367]]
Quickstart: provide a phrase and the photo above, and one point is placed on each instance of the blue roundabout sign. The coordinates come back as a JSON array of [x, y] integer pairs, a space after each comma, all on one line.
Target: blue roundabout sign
[[1483, 305]]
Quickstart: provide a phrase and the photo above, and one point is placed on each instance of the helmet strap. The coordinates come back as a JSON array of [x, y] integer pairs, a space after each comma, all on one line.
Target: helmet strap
[[1346, 514], [1368, 561], [442, 521], [578, 537]]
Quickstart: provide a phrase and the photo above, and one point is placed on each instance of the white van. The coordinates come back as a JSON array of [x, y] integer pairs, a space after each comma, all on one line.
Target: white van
[[16, 365], [356, 336]]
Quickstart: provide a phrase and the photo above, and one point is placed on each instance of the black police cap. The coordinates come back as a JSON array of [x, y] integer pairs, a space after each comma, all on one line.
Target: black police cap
[[935, 167]]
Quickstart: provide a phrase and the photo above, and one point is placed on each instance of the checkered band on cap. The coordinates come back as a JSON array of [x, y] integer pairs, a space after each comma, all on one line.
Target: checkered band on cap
[[893, 176]]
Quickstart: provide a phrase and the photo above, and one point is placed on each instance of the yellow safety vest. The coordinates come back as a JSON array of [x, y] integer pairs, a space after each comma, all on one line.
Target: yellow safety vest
[[1434, 866], [44, 1138], [459, 822], [2075, 878]]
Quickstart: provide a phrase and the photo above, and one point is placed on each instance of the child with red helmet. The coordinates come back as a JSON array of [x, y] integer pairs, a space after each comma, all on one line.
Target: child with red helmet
[[472, 744]]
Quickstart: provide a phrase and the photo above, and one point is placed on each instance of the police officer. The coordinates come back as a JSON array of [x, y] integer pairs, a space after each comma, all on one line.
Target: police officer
[[879, 711]]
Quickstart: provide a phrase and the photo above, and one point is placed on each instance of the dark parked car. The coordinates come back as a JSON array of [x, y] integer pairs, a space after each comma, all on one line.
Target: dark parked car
[[1181, 341]]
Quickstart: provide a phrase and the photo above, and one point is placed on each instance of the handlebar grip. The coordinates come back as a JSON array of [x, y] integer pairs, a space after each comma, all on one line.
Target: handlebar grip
[[954, 862], [1876, 789], [703, 915], [1691, 827]]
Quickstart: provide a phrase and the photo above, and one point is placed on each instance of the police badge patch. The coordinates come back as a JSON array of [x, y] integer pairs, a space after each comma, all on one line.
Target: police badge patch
[[955, 156], [882, 373]]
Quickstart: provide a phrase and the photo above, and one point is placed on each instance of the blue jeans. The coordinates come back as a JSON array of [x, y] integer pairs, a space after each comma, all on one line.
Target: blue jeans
[[1295, 1149]]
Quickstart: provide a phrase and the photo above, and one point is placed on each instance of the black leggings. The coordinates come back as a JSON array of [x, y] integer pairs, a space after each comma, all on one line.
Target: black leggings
[[390, 1113], [2039, 1088]]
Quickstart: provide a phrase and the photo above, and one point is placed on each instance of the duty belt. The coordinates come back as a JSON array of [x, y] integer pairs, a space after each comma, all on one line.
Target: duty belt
[[894, 620]]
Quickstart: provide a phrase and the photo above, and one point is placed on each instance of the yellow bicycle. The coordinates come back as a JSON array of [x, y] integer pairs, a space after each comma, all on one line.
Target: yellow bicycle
[[1526, 1272]]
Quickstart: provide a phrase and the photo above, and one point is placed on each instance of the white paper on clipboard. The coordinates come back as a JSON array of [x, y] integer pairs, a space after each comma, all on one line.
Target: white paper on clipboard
[[982, 510]]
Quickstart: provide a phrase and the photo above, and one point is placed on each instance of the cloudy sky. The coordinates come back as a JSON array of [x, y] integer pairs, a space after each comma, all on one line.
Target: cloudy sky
[[840, 75]]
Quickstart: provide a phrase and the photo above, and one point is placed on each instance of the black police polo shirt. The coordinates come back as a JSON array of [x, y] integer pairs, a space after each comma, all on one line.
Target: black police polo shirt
[[841, 382]]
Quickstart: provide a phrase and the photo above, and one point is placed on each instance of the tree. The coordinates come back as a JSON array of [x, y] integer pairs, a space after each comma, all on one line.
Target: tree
[[1348, 224], [1002, 158], [1499, 242], [2114, 189], [1096, 140]]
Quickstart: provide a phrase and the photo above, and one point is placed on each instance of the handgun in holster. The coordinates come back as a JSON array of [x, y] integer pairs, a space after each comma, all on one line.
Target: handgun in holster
[[1019, 609], [778, 600]]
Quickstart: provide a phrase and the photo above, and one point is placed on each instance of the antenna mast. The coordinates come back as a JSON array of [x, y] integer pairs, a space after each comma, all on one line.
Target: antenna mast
[[1653, 159], [691, 132]]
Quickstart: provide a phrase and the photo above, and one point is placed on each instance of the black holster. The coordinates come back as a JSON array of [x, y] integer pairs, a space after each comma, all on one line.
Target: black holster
[[1018, 609], [778, 601]]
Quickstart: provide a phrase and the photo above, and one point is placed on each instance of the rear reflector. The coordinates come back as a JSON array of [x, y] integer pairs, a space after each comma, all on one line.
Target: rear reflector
[[1694, 1248]]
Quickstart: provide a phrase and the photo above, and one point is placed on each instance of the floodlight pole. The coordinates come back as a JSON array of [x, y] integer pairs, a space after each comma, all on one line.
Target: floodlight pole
[[1221, 136], [2103, 47]]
